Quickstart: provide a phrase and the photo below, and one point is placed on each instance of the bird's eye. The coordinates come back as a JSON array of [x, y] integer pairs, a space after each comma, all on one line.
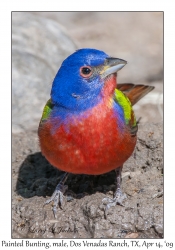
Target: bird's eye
[[85, 71]]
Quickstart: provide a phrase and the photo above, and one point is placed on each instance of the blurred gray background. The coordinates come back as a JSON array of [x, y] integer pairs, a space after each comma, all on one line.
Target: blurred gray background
[[42, 40]]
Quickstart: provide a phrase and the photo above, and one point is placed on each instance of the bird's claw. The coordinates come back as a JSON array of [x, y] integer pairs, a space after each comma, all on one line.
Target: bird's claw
[[119, 197], [57, 197]]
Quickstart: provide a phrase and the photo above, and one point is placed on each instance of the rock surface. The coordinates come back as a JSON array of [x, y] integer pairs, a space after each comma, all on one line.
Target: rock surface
[[82, 216]]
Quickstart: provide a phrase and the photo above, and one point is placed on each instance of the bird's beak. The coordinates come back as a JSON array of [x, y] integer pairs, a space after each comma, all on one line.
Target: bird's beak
[[111, 66]]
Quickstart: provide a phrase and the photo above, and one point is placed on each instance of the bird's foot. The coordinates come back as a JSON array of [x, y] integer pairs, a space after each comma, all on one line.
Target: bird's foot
[[118, 199], [57, 197]]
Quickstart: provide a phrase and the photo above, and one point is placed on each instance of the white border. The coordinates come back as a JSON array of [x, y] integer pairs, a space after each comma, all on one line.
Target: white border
[[5, 93]]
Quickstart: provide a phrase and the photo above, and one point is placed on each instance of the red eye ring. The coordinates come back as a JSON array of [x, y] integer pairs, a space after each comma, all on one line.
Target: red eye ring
[[85, 71]]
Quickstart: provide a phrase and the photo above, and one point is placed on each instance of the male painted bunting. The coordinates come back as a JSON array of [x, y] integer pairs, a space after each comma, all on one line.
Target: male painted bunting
[[88, 125]]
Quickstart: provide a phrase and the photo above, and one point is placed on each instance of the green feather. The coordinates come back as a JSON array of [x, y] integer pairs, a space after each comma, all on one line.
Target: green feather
[[47, 110], [125, 103]]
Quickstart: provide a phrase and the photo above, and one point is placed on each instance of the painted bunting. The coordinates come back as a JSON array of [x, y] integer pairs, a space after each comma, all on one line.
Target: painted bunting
[[88, 125]]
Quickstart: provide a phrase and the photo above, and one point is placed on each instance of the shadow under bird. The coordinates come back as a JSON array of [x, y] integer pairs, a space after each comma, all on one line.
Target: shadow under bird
[[88, 125]]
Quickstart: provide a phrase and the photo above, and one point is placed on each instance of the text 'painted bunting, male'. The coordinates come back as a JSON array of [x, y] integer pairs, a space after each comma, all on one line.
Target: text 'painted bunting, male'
[[88, 125]]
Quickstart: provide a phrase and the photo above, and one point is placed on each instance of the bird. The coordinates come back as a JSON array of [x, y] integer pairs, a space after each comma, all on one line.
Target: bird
[[88, 125]]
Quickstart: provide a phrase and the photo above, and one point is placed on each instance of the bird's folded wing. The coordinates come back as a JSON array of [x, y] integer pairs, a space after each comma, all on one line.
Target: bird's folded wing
[[124, 102], [46, 111]]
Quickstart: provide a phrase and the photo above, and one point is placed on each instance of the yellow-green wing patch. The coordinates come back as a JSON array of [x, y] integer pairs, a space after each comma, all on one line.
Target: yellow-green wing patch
[[125, 103], [47, 110]]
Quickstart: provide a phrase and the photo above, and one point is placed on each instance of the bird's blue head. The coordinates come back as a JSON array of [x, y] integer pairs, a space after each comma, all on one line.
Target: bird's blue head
[[79, 81]]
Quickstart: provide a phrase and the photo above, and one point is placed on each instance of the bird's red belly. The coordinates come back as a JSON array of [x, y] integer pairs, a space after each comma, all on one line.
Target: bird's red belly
[[94, 145]]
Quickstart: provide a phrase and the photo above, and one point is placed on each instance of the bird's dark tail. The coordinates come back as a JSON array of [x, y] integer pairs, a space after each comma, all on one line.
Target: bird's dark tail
[[134, 92]]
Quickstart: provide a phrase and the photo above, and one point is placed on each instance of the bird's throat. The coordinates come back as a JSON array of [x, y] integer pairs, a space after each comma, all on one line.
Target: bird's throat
[[110, 85]]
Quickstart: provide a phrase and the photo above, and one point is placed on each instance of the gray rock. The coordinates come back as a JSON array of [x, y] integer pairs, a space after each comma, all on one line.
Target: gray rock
[[136, 37], [39, 46]]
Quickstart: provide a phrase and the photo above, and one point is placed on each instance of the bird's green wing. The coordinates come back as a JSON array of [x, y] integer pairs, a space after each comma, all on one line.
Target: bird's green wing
[[124, 102], [47, 110]]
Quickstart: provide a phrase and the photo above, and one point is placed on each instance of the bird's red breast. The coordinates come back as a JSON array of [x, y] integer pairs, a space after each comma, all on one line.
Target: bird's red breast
[[92, 143]]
